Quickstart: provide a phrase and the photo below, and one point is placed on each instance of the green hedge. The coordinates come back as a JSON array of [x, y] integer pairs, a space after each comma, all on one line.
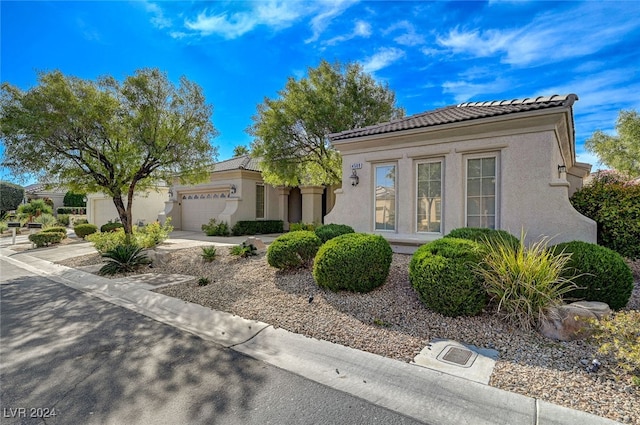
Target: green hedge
[[82, 230], [442, 273], [72, 199], [482, 235], [41, 239], [259, 227], [293, 249], [330, 231], [56, 229], [602, 274], [72, 210], [353, 262], [111, 226]]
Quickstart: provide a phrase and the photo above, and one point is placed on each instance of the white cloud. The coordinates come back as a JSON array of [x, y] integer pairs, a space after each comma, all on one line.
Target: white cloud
[[383, 58], [327, 10], [464, 91], [409, 37], [361, 29], [549, 37], [158, 19]]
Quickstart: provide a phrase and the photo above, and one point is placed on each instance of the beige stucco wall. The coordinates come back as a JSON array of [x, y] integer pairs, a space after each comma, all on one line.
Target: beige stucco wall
[[146, 206], [532, 195]]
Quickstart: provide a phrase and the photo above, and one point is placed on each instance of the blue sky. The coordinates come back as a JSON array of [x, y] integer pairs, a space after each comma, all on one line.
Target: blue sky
[[431, 54]]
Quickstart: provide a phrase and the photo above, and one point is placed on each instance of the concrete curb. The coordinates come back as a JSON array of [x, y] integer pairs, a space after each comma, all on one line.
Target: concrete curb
[[424, 394]]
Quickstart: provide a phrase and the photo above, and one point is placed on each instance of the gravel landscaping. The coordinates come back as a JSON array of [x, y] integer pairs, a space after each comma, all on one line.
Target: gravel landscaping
[[392, 322]]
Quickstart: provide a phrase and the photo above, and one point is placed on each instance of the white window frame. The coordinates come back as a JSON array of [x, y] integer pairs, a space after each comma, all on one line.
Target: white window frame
[[395, 203], [440, 214], [498, 177], [264, 201]]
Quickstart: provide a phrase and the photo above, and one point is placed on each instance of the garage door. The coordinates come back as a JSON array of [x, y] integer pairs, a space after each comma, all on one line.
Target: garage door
[[199, 208]]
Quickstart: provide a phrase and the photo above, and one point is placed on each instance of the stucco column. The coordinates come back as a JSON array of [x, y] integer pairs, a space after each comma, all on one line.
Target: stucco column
[[283, 205], [171, 210], [311, 203]]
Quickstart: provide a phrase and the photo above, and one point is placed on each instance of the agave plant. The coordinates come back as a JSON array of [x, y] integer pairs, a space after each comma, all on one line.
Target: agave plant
[[123, 258]]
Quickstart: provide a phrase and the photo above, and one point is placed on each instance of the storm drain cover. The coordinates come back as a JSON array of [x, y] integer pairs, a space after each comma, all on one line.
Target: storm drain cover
[[457, 356]]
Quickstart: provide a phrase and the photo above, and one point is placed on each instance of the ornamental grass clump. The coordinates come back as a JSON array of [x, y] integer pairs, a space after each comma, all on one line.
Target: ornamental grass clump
[[123, 259], [524, 281]]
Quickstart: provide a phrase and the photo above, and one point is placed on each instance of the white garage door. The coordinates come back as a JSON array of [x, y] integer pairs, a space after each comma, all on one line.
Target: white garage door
[[199, 208]]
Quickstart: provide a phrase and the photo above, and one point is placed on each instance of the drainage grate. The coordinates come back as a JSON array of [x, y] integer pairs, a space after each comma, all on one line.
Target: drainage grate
[[457, 355]]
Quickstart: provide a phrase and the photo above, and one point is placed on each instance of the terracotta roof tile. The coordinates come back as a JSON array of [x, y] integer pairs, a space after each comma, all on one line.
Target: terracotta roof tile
[[458, 113], [244, 162]]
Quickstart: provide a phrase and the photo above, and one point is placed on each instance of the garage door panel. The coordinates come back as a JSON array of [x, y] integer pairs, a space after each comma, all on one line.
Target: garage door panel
[[199, 208]]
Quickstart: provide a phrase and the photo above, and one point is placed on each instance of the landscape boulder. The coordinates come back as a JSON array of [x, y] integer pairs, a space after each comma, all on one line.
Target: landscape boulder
[[570, 321]]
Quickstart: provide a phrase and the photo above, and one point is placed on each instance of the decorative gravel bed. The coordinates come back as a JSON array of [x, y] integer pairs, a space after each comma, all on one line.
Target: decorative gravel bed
[[392, 322]]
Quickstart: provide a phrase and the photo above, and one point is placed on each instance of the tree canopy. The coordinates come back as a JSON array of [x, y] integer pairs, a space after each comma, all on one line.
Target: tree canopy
[[291, 131], [621, 152], [108, 136], [240, 150], [11, 196]]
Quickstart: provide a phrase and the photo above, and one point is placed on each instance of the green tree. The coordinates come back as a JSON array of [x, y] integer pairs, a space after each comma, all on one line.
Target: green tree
[[240, 150], [74, 200], [621, 152], [108, 136], [11, 195], [291, 131]]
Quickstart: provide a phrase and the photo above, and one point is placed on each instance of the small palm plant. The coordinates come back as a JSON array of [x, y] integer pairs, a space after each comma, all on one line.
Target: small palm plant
[[123, 258], [525, 281]]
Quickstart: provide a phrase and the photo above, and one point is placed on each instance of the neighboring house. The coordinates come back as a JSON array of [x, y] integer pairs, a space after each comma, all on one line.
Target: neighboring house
[[38, 191], [505, 164], [146, 206], [236, 191]]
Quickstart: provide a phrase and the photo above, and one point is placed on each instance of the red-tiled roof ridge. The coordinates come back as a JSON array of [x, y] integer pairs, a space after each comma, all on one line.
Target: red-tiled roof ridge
[[458, 113]]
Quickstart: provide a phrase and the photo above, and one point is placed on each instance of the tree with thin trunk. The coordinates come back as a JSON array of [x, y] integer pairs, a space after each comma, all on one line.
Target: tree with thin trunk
[[118, 138], [291, 131]]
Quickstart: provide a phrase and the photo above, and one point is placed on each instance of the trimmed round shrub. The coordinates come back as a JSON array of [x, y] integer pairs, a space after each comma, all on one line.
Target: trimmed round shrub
[[111, 226], [482, 235], [354, 262], [330, 231], [293, 249], [83, 230], [56, 229], [602, 274], [442, 273], [41, 239]]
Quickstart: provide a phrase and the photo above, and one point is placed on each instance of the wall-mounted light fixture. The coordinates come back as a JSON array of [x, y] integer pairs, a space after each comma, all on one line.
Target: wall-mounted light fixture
[[170, 193], [84, 199], [562, 169], [354, 178], [233, 189]]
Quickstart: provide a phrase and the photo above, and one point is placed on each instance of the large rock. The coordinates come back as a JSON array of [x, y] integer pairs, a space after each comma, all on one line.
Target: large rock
[[157, 257], [569, 322], [257, 242]]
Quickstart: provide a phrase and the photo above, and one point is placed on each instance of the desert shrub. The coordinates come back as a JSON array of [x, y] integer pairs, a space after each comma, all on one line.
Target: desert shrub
[[153, 234], [41, 239], [47, 220], [243, 250], [123, 259], [293, 249], [353, 262], [111, 226], [203, 281], [296, 227], [615, 207], [260, 227], [63, 219], [3, 226], [72, 199], [35, 207], [330, 231], [524, 281], [482, 235], [11, 196], [600, 273], [442, 273], [208, 253], [56, 229], [80, 221], [83, 230], [618, 334], [213, 228], [107, 241]]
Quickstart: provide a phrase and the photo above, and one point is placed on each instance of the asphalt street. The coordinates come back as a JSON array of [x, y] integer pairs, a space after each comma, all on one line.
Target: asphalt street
[[69, 358]]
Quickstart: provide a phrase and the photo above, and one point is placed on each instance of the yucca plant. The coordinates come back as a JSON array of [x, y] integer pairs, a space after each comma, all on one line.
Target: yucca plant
[[524, 281], [208, 253], [122, 259]]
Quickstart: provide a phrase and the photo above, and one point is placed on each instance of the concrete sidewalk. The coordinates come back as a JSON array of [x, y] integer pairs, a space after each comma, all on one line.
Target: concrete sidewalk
[[427, 395]]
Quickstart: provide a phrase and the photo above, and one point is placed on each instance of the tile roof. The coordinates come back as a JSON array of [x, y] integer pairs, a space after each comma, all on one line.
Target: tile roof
[[458, 113], [244, 162]]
